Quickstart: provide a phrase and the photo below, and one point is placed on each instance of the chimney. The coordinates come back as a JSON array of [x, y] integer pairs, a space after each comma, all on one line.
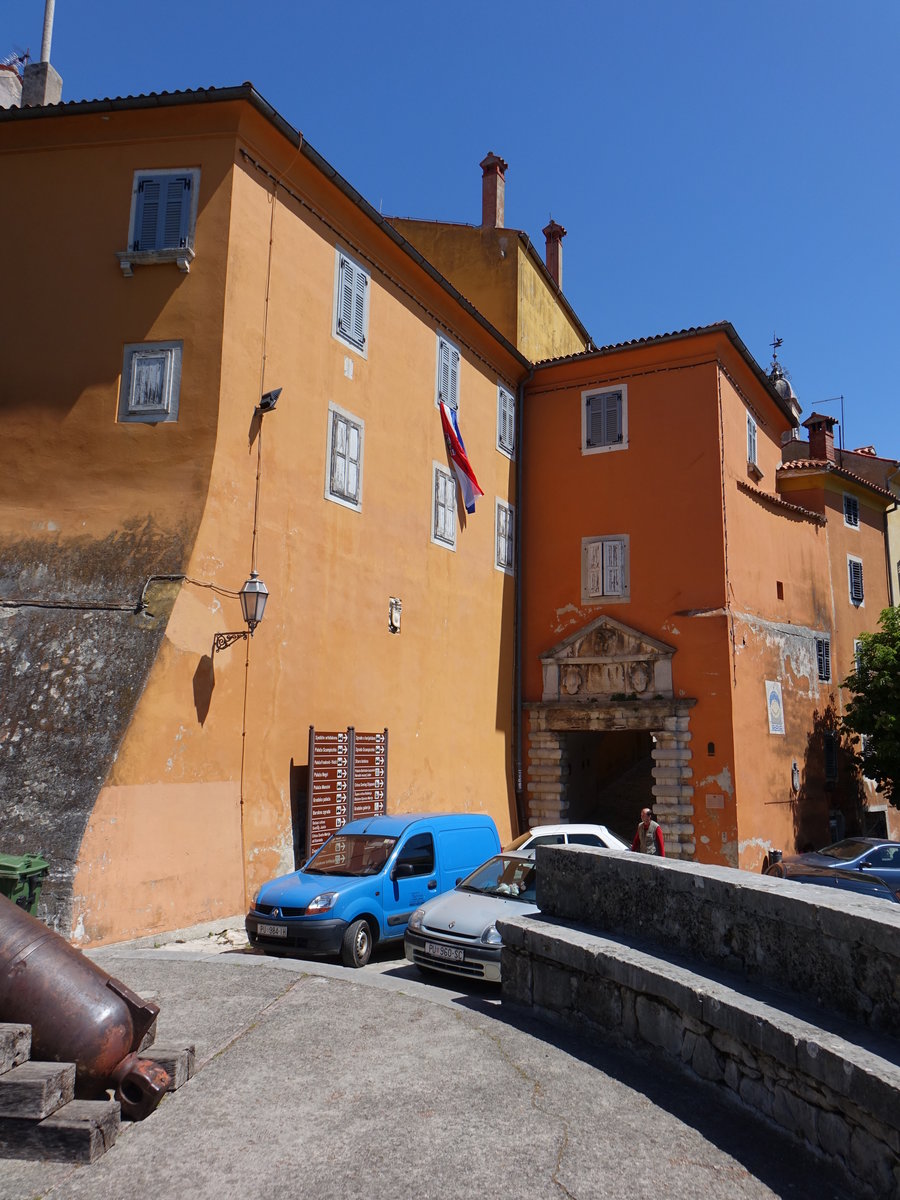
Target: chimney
[[554, 234], [821, 437], [41, 84], [493, 188]]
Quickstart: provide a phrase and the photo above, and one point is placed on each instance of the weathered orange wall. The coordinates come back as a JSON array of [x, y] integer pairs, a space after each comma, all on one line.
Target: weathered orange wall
[[323, 655]]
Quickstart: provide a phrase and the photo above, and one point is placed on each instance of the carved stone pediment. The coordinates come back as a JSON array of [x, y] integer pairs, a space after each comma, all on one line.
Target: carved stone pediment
[[607, 660]]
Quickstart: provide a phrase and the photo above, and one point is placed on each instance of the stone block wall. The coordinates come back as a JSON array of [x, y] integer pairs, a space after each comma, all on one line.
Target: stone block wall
[[837, 950]]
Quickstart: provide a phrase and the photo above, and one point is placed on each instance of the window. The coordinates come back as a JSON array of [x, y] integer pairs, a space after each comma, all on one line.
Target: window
[[151, 382], [751, 441], [823, 658], [506, 421], [418, 853], [443, 508], [604, 421], [855, 573], [163, 216], [604, 569], [851, 511], [351, 302], [343, 479], [857, 644], [504, 529], [447, 386]]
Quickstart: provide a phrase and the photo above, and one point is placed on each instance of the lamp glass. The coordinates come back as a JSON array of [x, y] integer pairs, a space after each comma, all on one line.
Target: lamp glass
[[254, 595]]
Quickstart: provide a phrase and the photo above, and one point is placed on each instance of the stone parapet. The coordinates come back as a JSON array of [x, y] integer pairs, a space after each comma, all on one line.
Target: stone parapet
[[835, 1094]]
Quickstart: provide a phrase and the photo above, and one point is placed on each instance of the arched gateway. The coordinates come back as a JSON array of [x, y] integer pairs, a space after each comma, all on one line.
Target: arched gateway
[[608, 706]]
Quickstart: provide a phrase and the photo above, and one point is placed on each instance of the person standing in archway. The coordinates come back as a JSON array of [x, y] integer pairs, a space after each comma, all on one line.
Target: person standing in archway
[[649, 838]]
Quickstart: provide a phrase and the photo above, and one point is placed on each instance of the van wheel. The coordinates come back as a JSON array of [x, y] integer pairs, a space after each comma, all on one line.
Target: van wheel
[[356, 948]]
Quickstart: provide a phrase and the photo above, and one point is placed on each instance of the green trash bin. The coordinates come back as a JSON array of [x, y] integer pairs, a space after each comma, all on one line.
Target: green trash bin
[[21, 879]]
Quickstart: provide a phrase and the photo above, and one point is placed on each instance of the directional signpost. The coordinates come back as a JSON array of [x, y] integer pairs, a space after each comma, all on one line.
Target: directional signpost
[[368, 796], [347, 779], [329, 786]]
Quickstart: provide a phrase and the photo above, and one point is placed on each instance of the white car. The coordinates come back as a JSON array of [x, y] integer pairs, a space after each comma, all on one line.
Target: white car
[[572, 835]]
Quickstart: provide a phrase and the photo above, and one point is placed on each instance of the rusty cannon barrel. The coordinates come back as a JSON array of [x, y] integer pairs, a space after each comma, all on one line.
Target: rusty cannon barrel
[[77, 1013]]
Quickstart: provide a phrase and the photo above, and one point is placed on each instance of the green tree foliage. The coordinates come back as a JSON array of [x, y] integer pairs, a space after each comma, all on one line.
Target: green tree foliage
[[873, 713]]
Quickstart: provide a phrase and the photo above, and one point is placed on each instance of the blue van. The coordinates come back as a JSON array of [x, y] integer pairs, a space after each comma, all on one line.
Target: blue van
[[363, 885]]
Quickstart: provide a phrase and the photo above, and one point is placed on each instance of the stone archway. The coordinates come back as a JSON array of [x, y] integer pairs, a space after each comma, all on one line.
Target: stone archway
[[608, 677]]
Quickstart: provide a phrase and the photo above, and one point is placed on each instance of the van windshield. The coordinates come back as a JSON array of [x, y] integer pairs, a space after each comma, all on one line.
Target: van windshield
[[352, 854]]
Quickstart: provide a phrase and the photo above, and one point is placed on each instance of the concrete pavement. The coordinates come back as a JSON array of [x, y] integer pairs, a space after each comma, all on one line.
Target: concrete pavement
[[318, 1081]]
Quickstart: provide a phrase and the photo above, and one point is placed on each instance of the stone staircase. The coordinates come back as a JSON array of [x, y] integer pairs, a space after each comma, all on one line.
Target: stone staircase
[[39, 1115]]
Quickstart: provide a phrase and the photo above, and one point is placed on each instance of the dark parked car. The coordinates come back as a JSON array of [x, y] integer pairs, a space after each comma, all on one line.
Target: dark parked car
[[870, 866]]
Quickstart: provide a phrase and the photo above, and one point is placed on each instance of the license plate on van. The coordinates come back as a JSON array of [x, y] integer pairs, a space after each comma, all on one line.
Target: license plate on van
[[272, 930], [452, 953]]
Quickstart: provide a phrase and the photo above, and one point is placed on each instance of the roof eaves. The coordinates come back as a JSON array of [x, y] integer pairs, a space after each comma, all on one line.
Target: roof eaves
[[247, 92], [681, 335], [826, 467]]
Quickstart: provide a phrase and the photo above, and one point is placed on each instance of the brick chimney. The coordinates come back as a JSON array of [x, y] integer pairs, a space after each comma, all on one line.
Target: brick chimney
[[554, 234], [821, 437], [493, 188]]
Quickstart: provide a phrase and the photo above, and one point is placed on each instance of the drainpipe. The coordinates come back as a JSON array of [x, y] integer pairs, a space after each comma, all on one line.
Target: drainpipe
[[521, 815]]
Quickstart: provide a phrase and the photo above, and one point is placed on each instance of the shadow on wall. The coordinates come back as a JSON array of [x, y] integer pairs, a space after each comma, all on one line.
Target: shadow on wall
[[204, 682], [831, 802]]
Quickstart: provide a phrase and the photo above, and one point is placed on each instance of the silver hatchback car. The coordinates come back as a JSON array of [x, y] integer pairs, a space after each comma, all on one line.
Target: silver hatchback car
[[457, 933]]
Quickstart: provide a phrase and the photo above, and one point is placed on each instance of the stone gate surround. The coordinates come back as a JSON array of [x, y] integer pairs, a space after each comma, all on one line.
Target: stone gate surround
[[667, 721]]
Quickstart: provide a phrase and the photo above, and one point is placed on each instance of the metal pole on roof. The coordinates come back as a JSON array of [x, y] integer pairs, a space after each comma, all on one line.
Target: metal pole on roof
[[49, 6]]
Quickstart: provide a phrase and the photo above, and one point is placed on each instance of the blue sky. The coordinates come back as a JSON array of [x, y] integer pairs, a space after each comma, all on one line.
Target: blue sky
[[710, 160]]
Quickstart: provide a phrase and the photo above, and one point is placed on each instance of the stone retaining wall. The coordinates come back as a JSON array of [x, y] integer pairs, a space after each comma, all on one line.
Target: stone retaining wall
[[835, 948], [838, 1097], [786, 995]]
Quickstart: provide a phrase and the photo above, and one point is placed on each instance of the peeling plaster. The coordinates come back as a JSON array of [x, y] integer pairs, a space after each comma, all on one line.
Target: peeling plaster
[[722, 781], [754, 843], [571, 612], [670, 628]]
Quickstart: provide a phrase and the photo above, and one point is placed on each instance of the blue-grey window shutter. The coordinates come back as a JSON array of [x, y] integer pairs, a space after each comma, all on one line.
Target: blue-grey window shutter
[[162, 212]]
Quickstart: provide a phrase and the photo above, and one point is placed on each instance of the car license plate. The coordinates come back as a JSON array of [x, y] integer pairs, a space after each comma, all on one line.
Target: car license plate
[[272, 930], [453, 953]]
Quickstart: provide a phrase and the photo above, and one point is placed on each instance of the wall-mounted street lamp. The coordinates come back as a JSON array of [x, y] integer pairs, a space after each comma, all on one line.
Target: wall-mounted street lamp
[[254, 594], [395, 608]]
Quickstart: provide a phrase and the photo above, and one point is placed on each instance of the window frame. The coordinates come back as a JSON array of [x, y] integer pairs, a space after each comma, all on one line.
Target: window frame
[[857, 592], [752, 441], [336, 415], [823, 658], [454, 357], [182, 254], [508, 566], [360, 347], [591, 394], [506, 420], [851, 502], [165, 413], [440, 470], [622, 596]]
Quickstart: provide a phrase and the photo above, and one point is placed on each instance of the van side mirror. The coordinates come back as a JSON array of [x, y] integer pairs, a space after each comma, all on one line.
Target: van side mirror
[[402, 870]]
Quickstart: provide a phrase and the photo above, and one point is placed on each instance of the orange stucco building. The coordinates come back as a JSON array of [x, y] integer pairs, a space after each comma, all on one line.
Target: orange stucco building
[[687, 613], [186, 254], [647, 603]]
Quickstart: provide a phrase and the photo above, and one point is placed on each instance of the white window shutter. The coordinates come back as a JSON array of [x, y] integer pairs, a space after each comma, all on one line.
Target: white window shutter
[[361, 283], [595, 569], [613, 568]]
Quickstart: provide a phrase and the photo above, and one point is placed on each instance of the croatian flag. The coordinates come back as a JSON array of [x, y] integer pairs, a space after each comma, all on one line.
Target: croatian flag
[[468, 484]]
